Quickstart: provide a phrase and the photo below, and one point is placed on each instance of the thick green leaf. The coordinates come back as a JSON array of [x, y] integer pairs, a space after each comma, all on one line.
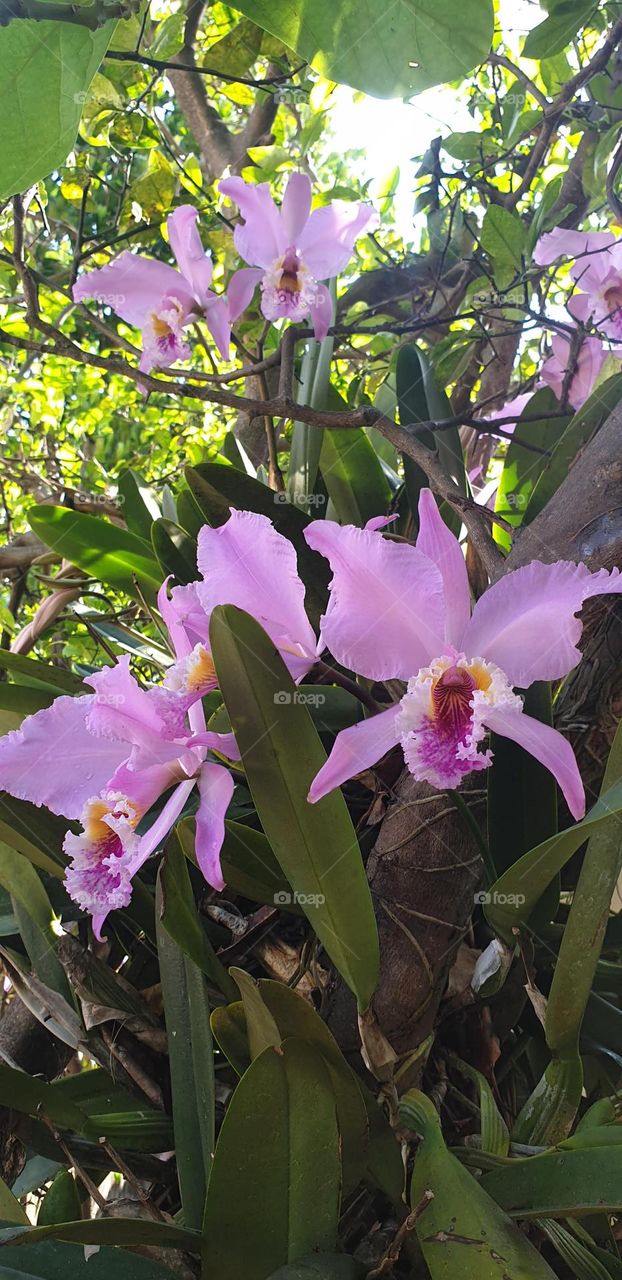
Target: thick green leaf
[[306, 440], [388, 54], [114, 556], [10, 1207], [45, 71], [550, 1112], [139, 504], [353, 475], [295, 1017], [574, 437], [248, 863], [228, 1023], [522, 794], [178, 914], [50, 1260], [132, 1130], [19, 700], [559, 1184], [34, 1096], [34, 832], [31, 671], [494, 1131], [558, 29], [515, 894], [121, 1231], [175, 549], [277, 1155], [35, 917], [191, 1060], [503, 238], [316, 845], [61, 1202], [462, 1232], [420, 400], [320, 1266], [216, 488], [523, 467]]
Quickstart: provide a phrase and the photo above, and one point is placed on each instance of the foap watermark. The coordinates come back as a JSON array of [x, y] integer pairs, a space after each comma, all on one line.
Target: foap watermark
[[285, 899], [302, 499], [304, 698], [485, 899]]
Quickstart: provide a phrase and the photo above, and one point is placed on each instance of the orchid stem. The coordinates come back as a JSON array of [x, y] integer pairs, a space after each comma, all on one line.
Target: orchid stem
[[465, 812]]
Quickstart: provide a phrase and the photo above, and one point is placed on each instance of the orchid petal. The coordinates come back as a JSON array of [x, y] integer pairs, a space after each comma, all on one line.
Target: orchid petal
[[171, 615], [52, 759], [547, 746], [385, 613], [219, 324], [561, 243], [215, 791], [296, 206], [133, 286], [121, 710], [260, 238], [355, 749], [163, 824], [245, 562], [193, 262], [526, 622], [327, 241], [321, 311], [240, 290], [439, 544]]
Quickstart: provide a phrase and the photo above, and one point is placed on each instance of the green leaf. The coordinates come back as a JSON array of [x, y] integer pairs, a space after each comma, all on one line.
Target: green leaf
[[515, 894], [393, 54], [50, 1260], [522, 467], [45, 72], [121, 1231], [228, 1023], [566, 446], [316, 845], [461, 1231], [548, 1115], [320, 1266], [191, 1059], [19, 700], [248, 863], [494, 1131], [353, 475], [31, 671], [503, 238], [33, 1096], [35, 917], [420, 400], [178, 914], [261, 1029], [237, 51], [175, 549], [277, 1155], [35, 832], [522, 794], [295, 1017], [139, 504], [114, 556], [61, 1202], [559, 1184], [558, 29], [216, 488], [303, 481], [10, 1207]]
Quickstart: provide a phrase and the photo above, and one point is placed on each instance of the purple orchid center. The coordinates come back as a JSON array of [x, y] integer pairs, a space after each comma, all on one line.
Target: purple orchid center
[[97, 873], [613, 303], [451, 698], [289, 289], [289, 282]]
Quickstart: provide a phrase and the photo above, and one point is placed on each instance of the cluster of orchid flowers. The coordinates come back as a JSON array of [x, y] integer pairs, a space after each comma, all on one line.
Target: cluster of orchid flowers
[[396, 612], [291, 252]]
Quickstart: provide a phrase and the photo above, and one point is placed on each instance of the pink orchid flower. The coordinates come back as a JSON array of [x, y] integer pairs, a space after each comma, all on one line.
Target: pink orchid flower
[[404, 612], [588, 363], [246, 562], [292, 250], [161, 301], [106, 758], [596, 270]]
